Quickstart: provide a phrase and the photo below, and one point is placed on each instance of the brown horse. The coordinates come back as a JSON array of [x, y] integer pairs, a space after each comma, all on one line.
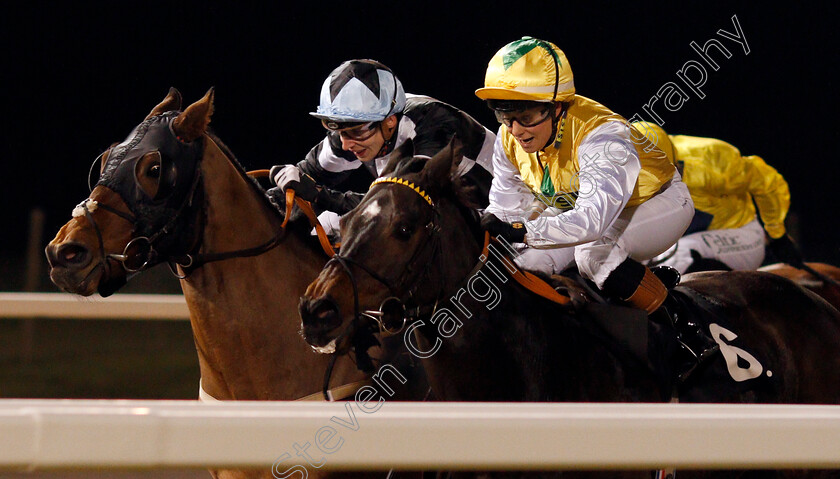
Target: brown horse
[[823, 279], [173, 192], [827, 289], [412, 245]]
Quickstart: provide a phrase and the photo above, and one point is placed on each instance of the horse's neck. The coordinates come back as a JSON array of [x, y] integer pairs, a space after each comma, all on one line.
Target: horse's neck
[[459, 250], [237, 217], [510, 344], [244, 310], [462, 366], [494, 337]]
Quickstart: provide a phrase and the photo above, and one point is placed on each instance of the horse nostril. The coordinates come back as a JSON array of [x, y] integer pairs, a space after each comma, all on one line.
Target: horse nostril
[[323, 312], [70, 254]]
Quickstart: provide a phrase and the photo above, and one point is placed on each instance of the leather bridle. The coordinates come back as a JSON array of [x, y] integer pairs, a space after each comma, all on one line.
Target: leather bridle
[[398, 307], [145, 250]]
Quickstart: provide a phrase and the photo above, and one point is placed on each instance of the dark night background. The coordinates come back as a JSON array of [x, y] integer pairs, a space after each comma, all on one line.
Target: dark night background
[[76, 78]]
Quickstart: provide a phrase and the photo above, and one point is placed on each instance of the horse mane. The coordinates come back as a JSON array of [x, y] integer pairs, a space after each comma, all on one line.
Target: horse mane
[[235, 161], [298, 223]]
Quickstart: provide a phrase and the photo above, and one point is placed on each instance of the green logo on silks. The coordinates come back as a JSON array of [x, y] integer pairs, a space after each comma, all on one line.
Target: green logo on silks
[[563, 201]]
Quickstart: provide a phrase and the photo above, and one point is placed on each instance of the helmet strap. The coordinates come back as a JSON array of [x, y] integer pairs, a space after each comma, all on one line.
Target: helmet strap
[[388, 144], [558, 125]]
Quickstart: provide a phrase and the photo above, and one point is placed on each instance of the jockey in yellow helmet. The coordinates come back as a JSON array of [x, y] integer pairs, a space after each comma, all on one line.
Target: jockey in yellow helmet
[[568, 169], [575, 184]]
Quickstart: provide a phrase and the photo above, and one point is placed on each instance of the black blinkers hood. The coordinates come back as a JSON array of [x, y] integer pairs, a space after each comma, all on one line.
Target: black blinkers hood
[[179, 167]]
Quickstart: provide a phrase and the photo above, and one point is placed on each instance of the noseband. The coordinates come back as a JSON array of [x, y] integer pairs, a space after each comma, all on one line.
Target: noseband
[[140, 253], [177, 156]]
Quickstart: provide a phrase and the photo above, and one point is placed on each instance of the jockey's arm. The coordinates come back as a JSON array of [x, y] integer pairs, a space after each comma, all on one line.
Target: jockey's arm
[[510, 198], [771, 194], [329, 166], [605, 188]]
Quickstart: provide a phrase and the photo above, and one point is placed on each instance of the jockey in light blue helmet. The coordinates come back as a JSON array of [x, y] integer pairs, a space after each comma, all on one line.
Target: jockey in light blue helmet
[[359, 91], [367, 114]]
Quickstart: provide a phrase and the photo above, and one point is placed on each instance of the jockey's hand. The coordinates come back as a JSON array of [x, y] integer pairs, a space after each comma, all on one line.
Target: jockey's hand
[[277, 196], [785, 250], [513, 232], [289, 176]]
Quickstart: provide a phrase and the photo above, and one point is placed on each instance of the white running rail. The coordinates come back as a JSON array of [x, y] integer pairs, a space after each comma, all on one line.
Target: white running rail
[[38, 434], [118, 306]]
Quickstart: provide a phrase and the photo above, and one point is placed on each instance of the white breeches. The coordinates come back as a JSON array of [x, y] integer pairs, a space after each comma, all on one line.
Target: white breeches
[[641, 233], [739, 248]]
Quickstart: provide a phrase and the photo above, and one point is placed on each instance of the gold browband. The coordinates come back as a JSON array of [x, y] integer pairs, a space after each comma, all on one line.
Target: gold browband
[[400, 181]]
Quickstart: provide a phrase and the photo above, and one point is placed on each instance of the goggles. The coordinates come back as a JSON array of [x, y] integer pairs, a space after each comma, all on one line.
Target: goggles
[[526, 118], [352, 130]]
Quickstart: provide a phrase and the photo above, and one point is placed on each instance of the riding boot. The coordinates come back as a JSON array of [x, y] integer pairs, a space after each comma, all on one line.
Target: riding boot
[[649, 294], [635, 283], [695, 344], [669, 276], [691, 336], [640, 287]]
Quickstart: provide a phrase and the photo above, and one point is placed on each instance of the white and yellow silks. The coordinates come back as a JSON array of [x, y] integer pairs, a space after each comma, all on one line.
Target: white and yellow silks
[[606, 171]]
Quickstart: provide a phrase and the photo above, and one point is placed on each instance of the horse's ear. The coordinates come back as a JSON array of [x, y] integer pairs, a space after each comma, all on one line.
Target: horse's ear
[[192, 123], [444, 165], [171, 102], [402, 153]]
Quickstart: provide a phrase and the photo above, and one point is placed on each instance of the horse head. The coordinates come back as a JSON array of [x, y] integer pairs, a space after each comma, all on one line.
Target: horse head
[[142, 209], [403, 246]]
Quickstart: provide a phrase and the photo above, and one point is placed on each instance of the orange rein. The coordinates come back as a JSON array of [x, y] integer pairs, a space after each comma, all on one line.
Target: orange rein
[[528, 280], [306, 207]]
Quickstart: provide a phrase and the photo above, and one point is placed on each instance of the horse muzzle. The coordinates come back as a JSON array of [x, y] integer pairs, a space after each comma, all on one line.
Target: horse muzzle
[[69, 255], [72, 268], [320, 322]]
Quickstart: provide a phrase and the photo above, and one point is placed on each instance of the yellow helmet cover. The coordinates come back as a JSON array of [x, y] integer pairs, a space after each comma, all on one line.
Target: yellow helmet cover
[[528, 69]]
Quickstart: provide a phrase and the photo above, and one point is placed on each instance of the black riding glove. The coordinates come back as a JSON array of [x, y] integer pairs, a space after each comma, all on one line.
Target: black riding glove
[[277, 196], [513, 232], [289, 176], [785, 250]]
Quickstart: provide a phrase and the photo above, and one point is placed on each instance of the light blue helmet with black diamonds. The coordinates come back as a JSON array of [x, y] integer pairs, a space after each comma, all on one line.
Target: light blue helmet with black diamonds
[[360, 91]]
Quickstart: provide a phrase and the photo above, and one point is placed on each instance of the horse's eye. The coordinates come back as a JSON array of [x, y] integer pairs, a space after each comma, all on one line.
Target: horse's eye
[[154, 171], [404, 232]]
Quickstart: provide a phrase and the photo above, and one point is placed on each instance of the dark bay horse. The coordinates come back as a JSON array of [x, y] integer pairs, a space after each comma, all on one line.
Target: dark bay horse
[[413, 243], [827, 289], [173, 192], [823, 279]]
